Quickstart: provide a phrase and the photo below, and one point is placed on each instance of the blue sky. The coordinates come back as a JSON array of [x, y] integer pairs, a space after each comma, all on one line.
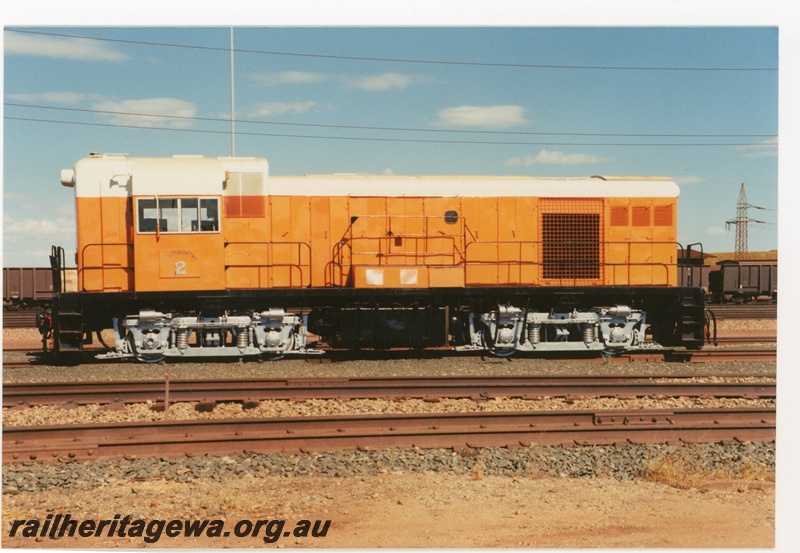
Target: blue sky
[[516, 99]]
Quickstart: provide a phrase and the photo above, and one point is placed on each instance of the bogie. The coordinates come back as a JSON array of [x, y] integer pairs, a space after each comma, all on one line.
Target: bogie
[[508, 329], [152, 336]]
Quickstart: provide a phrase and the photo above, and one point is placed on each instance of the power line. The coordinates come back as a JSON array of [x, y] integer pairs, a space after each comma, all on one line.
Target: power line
[[374, 128], [394, 60], [378, 139]]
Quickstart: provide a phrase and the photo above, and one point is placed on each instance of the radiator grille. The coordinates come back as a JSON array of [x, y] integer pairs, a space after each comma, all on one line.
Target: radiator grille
[[571, 231]]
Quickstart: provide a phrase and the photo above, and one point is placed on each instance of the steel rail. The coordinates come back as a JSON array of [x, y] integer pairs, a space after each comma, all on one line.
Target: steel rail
[[297, 389], [448, 430], [744, 311], [719, 355], [643, 356], [17, 365], [754, 339], [25, 318]]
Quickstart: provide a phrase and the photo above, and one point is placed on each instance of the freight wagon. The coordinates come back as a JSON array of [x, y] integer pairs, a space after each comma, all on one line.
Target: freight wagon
[[744, 281], [25, 287]]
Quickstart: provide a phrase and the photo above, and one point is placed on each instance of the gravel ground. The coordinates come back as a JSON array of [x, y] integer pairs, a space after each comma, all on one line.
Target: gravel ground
[[447, 365], [621, 463], [427, 364], [539, 496], [46, 414]]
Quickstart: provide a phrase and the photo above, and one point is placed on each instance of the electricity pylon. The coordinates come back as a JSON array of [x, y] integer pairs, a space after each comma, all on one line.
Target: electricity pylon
[[741, 222]]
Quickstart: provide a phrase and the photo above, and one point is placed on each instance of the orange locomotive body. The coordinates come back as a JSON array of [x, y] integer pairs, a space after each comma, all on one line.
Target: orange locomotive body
[[189, 256]]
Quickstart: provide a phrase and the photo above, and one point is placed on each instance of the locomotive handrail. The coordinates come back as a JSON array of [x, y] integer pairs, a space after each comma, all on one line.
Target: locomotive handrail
[[575, 280], [337, 262], [82, 267], [299, 266], [602, 266], [345, 246], [689, 262], [620, 272], [452, 252], [57, 263]]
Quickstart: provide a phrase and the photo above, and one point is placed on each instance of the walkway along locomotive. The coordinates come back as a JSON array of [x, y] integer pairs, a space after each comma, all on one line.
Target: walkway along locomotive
[[187, 257]]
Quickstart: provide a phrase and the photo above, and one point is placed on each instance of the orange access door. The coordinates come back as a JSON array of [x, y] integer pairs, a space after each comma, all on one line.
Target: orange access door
[[178, 244]]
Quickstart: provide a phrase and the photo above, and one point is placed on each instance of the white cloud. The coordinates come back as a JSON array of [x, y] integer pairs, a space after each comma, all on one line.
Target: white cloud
[[31, 229], [485, 117], [768, 148], [75, 49], [281, 108], [762, 153], [56, 97], [158, 110], [546, 157], [13, 196], [288, 78], [689, 180], [16, 202], [33, 256], [716, 231], [384, 81], [370, 83]]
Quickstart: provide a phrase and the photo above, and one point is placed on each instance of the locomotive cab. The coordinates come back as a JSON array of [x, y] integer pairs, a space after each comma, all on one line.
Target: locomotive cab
[[178, 243]]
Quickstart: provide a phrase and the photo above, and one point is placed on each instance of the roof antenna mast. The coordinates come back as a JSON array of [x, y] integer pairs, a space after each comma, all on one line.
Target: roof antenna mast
[[233, 119]]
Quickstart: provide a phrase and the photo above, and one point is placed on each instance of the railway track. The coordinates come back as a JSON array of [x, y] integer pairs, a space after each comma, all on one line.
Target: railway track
[[25, 318], [208, 392], [744, 311], [722, 355], [644, 356], [449, 430], [739, 340]]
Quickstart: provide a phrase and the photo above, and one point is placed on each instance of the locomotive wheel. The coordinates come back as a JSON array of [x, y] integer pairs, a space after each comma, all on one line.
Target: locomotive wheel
[[488, 343], [502, 353], [289, 346], [149, 358]]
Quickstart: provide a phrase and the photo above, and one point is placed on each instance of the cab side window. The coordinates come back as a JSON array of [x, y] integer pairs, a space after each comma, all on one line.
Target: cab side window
[[189, 215], [177, 215], [147, 215], [169, 215], [209, 214]]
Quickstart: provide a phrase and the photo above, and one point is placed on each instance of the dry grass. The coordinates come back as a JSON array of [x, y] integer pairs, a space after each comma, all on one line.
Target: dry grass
[[477, 469], [678, 471], [242, 502]]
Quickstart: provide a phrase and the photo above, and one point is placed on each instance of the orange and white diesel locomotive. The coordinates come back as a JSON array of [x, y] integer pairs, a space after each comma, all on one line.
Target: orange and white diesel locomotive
[[187, 257]]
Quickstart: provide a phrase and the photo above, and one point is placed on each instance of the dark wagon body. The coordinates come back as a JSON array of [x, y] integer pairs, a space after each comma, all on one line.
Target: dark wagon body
[[744, 281]]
